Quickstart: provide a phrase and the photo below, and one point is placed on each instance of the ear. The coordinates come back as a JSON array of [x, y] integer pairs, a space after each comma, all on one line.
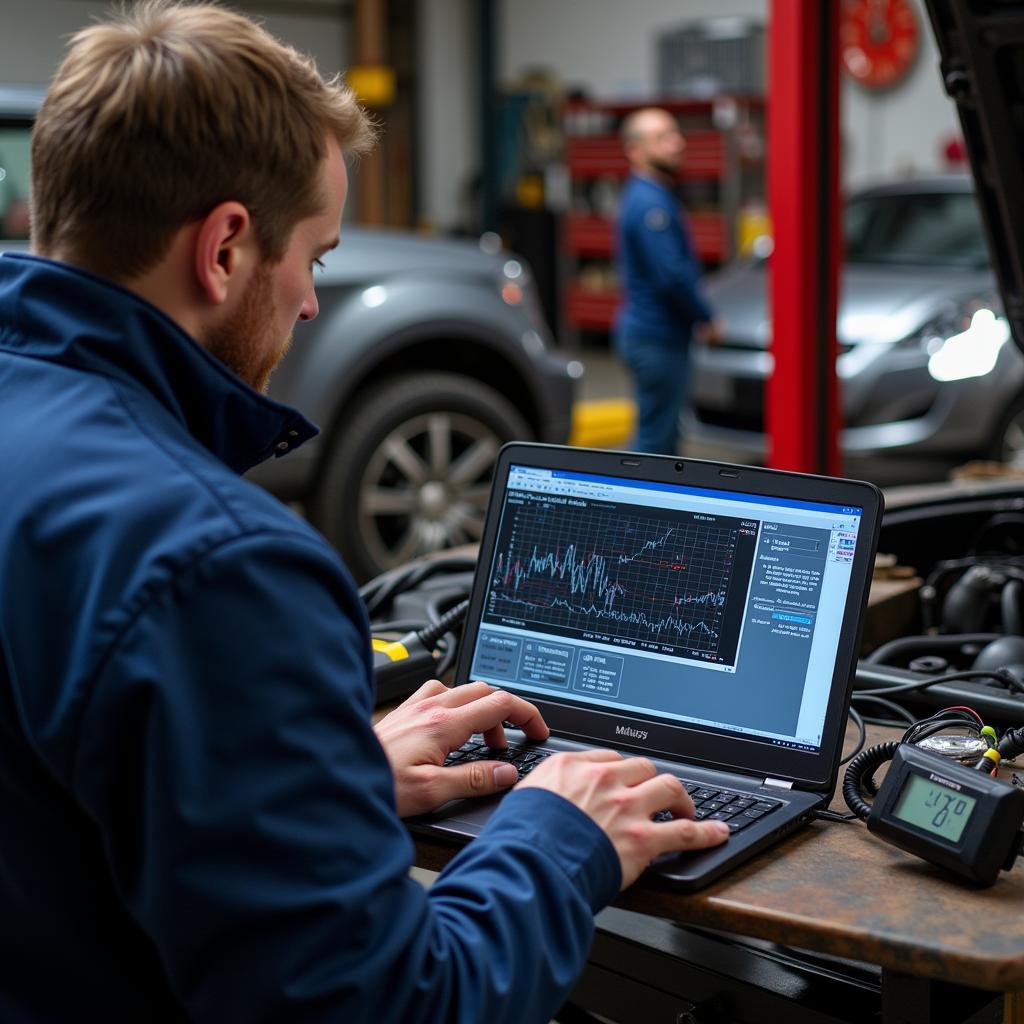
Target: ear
[[225, 251]]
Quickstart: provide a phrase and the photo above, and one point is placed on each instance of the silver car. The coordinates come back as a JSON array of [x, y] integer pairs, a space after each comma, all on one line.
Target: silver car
[[427, 356], [928, 374]]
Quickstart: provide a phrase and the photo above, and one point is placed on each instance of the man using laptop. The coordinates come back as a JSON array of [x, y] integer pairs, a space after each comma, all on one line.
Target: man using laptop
[[199, 821]]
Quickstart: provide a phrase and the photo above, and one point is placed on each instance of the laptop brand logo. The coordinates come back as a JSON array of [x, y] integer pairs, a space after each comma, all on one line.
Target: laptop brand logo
[[633, 734]]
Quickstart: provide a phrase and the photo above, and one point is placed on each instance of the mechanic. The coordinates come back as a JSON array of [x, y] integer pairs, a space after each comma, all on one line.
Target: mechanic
[[199, 821], [659, 275]]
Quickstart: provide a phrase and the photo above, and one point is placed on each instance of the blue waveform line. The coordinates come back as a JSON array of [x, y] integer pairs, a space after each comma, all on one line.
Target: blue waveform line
[[654, 626]]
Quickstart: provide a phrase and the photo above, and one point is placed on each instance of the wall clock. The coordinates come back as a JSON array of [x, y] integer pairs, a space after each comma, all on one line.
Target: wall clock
[[878, 40]]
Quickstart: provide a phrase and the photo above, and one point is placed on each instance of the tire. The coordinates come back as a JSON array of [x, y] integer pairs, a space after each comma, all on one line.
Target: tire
[[409, 469], [1008, 444]]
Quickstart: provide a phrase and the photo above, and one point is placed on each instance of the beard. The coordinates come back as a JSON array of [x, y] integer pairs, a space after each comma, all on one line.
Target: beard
[[670, 168], [239, 341]]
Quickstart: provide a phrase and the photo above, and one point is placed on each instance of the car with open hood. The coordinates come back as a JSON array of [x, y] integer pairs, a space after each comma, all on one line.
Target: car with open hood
[[964, 539], [928, 375]]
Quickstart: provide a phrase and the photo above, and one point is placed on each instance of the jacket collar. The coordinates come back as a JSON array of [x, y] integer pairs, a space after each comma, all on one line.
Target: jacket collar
[[55, 311], [656, 183]]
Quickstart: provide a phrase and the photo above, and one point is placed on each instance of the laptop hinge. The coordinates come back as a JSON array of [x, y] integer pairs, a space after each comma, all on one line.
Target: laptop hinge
[[777, 783]]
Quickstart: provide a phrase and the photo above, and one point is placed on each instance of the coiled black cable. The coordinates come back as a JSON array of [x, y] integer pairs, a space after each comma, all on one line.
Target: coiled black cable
[[435, 631], [859, 776]]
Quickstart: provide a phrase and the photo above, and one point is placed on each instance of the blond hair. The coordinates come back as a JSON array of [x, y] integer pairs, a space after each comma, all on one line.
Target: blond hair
[[156, 117]]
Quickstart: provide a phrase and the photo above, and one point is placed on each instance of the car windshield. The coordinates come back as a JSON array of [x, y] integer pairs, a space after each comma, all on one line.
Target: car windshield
[[14, 179], [923, 229]]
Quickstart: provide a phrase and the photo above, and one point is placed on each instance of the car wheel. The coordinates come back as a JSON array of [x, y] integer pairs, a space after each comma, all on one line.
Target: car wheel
[[409, 470], [1009, 443]]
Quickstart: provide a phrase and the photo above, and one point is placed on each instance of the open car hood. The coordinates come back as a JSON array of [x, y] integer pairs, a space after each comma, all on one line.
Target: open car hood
[[981, 45]]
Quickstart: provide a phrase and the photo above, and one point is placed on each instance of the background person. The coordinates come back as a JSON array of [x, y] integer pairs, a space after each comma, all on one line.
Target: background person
[[659, 275], [198, 820]]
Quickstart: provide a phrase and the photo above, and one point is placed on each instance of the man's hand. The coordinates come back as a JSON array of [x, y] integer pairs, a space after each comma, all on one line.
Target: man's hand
[[435, 720], [621, 795], [712, 332]]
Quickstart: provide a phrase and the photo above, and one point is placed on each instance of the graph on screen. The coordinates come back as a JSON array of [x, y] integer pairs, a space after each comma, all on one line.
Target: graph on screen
[[618, 573]]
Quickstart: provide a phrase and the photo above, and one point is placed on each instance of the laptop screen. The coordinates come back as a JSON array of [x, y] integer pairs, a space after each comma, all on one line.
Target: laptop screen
[[716, 609]]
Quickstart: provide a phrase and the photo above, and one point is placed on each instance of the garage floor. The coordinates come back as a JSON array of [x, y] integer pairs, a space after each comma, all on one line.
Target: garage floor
[[604, 416], [605, 377]]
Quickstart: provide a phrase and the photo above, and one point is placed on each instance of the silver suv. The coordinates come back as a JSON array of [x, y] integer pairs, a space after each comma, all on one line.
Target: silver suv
[[426, 357], [927, 371]]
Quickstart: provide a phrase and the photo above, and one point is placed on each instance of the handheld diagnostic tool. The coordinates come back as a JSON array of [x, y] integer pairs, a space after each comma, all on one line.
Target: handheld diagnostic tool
[[956, 817]]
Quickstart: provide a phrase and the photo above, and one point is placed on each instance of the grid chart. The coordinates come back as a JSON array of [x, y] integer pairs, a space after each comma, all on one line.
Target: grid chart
[[635, 577]]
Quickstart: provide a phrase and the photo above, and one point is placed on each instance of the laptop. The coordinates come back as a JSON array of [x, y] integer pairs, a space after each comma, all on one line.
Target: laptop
[[704, 615]]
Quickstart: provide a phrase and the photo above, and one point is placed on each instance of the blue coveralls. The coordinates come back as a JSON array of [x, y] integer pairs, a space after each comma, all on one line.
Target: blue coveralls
[[197, 821], [659, 273]]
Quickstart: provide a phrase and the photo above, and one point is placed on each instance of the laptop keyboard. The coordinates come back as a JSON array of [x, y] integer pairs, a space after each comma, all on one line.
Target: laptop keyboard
[[522, 755], [737, 810]]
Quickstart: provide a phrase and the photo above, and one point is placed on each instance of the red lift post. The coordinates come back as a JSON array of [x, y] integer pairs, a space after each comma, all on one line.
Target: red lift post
[[802, 411]]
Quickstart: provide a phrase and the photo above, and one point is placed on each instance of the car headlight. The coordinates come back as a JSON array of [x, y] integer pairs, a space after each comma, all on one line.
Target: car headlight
[[971, 352], [962, 340]]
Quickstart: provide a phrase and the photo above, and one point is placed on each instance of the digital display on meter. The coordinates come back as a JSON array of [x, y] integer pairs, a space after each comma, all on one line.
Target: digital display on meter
[[934, 808], [957, 817]]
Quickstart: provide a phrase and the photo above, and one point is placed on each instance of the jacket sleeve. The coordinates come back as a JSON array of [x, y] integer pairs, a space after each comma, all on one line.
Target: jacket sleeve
[[663, 245], [248, 814]]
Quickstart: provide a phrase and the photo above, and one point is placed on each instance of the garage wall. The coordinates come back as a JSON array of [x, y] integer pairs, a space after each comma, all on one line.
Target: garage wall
[[449, 141], [33, 34], [611, 51], [898, 133]]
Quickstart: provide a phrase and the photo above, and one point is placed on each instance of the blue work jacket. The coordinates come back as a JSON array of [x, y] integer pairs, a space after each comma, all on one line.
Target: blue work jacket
[[196, 818], [658, 269]]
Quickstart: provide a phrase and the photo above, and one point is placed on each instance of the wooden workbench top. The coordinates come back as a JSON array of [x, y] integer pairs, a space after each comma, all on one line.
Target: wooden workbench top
[[835, 888]]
